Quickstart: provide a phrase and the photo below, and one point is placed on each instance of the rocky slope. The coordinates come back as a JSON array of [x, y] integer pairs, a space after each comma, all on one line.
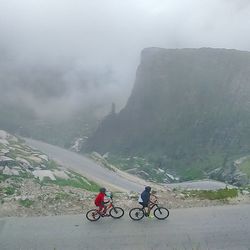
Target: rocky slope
[[188, 112], [31, 183]]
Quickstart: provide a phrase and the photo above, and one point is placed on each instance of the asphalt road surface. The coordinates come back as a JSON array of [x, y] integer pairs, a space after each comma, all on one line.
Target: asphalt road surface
[[201, 184], [219, 228], [83, 165]]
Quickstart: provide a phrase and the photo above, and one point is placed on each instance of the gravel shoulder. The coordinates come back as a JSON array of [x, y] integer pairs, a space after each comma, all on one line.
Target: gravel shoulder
[[50, 199]]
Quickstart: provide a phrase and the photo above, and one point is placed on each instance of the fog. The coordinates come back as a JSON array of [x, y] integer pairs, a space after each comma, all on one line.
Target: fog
[[89, 50]]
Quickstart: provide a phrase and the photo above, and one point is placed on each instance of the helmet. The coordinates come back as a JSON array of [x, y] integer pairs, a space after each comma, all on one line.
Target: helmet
[[148, 188], [102, 190]]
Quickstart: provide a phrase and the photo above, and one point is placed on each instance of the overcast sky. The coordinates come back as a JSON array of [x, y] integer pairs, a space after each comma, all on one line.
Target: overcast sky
[[110, 34]]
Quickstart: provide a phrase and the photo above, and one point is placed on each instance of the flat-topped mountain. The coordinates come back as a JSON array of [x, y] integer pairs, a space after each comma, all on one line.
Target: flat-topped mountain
[[189, 111]]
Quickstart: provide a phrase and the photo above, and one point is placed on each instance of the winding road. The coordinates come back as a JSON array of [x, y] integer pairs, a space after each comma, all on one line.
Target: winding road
[[221, 228], [216, 228], [85, 166], [104, 176]]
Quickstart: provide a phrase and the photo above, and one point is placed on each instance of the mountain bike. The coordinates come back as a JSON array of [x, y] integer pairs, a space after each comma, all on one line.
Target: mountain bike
[[161, 213], [114, 212]]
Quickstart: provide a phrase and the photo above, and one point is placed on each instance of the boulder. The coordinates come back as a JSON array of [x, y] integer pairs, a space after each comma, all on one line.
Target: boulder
[[9, 171], [41, 174]]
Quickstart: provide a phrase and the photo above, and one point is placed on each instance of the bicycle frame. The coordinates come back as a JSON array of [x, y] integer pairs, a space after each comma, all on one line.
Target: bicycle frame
[[159, 211], [110, 205], [151, 206]]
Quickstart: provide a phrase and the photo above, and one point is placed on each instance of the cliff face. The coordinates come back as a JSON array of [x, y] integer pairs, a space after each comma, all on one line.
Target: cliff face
[[189, 108]]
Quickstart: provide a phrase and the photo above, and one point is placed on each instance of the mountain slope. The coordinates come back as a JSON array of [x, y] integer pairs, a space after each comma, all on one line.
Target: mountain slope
[[188, 111]]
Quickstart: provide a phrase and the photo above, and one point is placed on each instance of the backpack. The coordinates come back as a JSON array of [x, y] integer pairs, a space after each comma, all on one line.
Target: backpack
[[140, 199]]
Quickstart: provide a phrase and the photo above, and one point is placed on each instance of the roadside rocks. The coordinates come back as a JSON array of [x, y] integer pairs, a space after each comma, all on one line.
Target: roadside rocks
[[24, 163], [232, 173], [10, 171], [245, 192], [35, 199], [41, 174], [61, 174]]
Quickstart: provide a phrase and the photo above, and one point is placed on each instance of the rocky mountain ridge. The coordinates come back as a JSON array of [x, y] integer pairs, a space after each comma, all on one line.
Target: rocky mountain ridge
[[188, 112]]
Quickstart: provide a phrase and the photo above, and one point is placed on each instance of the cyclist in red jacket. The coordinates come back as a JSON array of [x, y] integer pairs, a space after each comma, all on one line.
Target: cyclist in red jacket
[[99, 201]]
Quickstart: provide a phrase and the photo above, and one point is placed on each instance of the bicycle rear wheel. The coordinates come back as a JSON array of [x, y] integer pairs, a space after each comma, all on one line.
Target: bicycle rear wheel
[[92, 215], [116, 212], [161, 213], [136, 213]]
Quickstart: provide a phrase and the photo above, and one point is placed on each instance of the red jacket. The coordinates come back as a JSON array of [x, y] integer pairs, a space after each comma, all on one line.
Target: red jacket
[[99, 200]]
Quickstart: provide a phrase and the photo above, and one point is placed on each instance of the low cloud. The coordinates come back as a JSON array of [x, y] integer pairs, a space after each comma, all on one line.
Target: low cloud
[[57, 56]]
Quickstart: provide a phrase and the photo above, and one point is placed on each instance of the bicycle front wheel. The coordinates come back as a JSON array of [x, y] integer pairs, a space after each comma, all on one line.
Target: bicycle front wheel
[[116, 212], [161, 213], [92, 215], [136, 213]]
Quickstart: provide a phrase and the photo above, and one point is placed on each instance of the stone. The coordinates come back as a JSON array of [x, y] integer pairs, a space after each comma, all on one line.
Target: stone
[[245, 192], [24, 162], [8, 171], [41, 174], [44, 157], [60, 174]]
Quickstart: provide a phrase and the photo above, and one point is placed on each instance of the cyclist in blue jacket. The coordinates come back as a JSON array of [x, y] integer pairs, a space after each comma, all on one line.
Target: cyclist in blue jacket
[[144, 198]]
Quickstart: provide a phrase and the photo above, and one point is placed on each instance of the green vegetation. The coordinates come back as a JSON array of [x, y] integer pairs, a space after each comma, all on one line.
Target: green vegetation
[[76, 180], [26, 202], [9, 190], [78, 183], [245, 167], [190, 171], [221, 194], [16, 179], [61, 196], [191, 174], [126, 163], [140, 165], [52, 165], [3, 177], [25, 175]]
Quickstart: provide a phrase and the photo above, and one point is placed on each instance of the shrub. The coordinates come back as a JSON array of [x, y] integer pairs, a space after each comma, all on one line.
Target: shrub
[[220, 194], [9, 190], [26, 202]]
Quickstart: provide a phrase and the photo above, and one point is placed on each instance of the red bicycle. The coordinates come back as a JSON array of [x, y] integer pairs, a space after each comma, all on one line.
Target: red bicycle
[[161, 213], [114, 212]]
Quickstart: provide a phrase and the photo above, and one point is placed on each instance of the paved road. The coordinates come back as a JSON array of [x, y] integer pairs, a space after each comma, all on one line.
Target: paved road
[[197, 228], [202, 185], [102, 175], [84, 165]]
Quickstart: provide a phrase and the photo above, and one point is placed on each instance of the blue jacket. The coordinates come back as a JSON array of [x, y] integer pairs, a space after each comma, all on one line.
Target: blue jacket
[[145, 196]]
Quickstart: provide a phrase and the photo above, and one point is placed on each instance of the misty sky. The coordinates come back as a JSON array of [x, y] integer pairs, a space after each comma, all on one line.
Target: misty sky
[[106, 37]]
